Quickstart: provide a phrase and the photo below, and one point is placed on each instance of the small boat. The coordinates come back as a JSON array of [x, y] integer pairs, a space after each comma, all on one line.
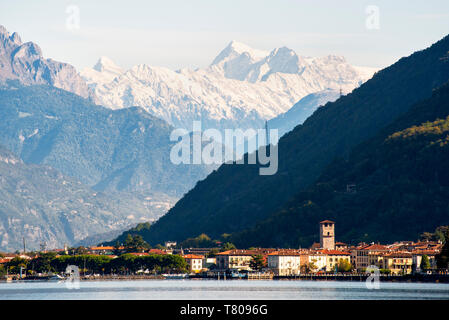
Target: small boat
[[175, 276], [55, 277]]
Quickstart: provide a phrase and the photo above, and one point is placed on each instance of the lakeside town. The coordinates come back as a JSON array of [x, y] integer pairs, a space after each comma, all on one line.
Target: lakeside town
[[328, 258]]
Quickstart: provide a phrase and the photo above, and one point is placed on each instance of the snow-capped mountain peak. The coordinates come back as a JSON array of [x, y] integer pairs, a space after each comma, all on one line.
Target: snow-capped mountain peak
[[236, 49], [104, 64], [104, 71], [242, 87]]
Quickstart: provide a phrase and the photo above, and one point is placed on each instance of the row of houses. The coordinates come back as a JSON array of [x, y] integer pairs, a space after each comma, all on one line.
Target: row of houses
[[326, 256], [398, 258]]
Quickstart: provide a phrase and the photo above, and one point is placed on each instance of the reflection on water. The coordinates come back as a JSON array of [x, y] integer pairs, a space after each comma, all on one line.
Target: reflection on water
[[222, 290]]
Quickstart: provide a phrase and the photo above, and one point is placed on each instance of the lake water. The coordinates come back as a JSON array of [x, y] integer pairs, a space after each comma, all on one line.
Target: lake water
[[222, 290]]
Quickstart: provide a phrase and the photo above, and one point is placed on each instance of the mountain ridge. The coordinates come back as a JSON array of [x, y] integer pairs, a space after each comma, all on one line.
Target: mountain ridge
[[234, 198], [230, 93], [110, 150], [399, 186], [24, 62], [39, 203]]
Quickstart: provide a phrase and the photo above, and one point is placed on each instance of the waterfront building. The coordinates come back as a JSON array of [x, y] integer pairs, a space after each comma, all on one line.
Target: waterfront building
[[417, 258], [239, 259], [107, 250], [334, 257], [195, 262], [209, 262], [317, 261], [398, 262], [287, 263], [368, 255]]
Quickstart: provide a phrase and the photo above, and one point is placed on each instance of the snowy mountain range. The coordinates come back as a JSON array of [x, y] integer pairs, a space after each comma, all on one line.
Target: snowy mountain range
[[241, 88]]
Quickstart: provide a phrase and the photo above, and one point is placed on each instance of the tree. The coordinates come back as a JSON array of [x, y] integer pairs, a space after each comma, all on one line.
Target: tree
[[344, 266], [225, 236], [443, 257], [16, 263], [212, 253], [385, 271], [438, 235], [257, 262], [425, 263], [78, 251], [201, 241], [308, 267], [117, 249], [135, 243], [227, 246], [43, 262]]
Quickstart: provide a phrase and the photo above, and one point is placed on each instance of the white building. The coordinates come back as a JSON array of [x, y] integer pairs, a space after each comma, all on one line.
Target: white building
[[318, 260], [284, 263], [195, 262]]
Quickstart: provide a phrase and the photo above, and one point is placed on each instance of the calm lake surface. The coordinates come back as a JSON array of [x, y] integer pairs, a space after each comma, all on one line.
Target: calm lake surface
[[222, 290]]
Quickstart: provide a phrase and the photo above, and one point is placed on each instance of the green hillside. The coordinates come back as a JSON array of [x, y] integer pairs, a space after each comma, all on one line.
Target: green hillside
[[400, 187], [236, 197]]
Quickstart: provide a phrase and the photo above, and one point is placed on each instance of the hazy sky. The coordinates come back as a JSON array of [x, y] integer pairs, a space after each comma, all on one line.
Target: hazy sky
[[190, 33]]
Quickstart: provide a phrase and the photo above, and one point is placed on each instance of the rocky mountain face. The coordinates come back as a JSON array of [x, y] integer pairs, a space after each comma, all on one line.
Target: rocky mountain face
[[242, 87], [40, 204], [25, 64], [125, 150]]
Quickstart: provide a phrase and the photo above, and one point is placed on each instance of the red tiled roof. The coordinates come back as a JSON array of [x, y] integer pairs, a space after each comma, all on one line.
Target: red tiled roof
[[398, 255], [192, 256], [327, 221], [335, 252], [374, 247], [288, 253], [102, 248], [157, 251], [426, 252], [241, 252]]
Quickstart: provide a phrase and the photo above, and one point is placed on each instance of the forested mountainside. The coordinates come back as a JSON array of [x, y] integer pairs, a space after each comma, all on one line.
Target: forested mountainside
[[392, 187], [235, 197]]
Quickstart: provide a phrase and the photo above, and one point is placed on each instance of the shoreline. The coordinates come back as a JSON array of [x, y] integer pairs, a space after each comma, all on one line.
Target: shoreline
[[349, 278]]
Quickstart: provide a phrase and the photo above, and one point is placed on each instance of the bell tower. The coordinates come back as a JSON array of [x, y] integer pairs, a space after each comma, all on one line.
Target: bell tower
[[327, 235]]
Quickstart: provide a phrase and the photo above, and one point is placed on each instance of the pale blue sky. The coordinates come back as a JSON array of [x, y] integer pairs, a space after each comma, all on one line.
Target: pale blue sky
[[190, 33]]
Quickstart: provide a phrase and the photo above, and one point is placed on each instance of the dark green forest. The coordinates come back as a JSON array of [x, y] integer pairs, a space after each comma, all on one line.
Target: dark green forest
[[399, 187], [235, 198]]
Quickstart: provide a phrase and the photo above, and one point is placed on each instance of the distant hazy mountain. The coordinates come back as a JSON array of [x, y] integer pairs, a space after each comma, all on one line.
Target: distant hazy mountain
[[24, 63], [240, 89], [235, 197], [301, 110], [43, 206], [110, 150]]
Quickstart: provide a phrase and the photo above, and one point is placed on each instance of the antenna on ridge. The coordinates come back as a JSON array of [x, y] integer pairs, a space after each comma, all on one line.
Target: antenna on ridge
[[341, 92], [267, 133]]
